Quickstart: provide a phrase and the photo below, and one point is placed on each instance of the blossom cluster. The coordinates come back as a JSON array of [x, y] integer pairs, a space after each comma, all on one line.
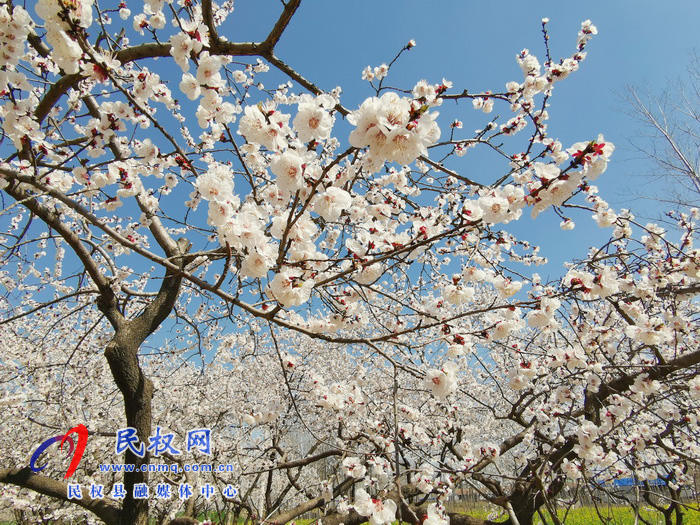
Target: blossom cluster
[[396, 129]]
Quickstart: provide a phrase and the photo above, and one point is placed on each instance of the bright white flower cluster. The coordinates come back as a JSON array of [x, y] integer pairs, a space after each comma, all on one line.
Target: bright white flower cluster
[[602, 284], [215, 112], [552, 186], [586, 33], [519, 378], [313, 120], [288, 167], [505, 322], [332, 202], [435, 516], [377, 73], [544, 315], [353, 467], [500, 205], [19, 122], [342, 397], [188, 42], [290, 288], [267, 414], [485, 104], [423, 479], [216, 187], [694, 387], [378, 511], [592, 156], [442, 382], [650, 330], [396, 129], [66, 50], [15, 25], [264, 125]]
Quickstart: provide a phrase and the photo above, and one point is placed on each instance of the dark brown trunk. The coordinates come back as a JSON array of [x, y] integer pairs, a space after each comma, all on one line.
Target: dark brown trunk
[[137, 391]]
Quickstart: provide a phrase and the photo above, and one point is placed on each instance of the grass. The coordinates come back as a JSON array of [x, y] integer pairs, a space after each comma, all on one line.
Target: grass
[[614, 515], [583, 515]]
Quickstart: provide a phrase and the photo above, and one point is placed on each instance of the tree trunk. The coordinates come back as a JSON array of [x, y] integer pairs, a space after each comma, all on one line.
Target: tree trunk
[[137, 391]]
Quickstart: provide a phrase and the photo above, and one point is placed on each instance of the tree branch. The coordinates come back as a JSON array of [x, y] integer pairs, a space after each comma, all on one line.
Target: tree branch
[[25, 478]]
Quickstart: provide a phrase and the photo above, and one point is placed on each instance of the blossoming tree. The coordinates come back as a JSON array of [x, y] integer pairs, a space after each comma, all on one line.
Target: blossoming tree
[[356, 323]]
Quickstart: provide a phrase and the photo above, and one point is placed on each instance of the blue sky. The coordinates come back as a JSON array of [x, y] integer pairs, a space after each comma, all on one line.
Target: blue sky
[[473, 44]]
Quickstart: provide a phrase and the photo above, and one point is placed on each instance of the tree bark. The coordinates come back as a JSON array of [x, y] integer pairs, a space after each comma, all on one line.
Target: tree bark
[[136, 389], [25, 478]]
